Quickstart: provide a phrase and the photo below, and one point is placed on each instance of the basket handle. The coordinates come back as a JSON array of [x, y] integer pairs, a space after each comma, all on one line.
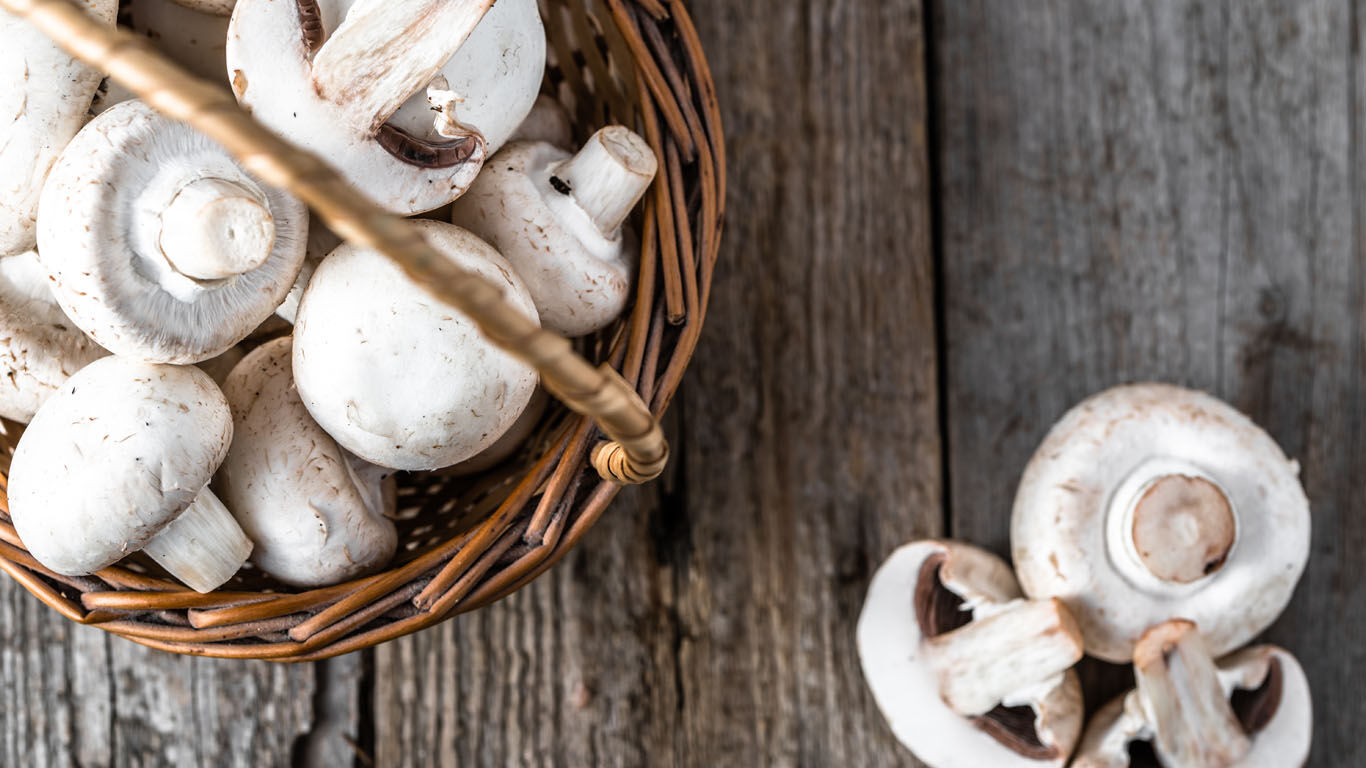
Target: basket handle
[[637, 451]]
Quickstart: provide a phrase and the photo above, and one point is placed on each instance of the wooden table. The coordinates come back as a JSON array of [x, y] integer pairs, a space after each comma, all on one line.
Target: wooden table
[[943, 231]]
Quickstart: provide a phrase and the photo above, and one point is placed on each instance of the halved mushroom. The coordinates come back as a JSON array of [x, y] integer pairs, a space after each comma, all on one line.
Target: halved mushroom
[[1251, 710], [314, 519], [39, 347], [558, 219], [120, 461], [1150, 502], [344, 79], [548, 121], [967, 672], [179, 253], [397, 378], [45, 101]]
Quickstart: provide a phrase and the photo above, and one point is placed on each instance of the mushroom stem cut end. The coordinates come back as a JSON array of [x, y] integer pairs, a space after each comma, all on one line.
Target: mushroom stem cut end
[[984, 663], [214, 229], [608, 176], [1183, 528], [1179, 683], [204, 547]]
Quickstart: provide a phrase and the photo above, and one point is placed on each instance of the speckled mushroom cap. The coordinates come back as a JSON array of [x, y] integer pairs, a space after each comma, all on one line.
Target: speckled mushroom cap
[[39, 347], [929, 590], [315, 521], [153, 197], [44, 102], [1149, 502], [118, 454], [396, 153], [397, 378]]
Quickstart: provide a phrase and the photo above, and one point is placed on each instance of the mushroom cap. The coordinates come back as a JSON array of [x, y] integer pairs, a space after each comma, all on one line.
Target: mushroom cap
[[115, 456], [1063, 510], [547, 121], [892, 650], [111, 275], [497, 71], [193, 34], [39, 347], [215, 7], [313, 519], [579, 278], [1270, 696], [396, 377], [45, 101]]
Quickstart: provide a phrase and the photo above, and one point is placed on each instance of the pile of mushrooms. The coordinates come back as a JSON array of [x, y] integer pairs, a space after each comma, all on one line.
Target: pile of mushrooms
[[1164, 529], [208, 376]]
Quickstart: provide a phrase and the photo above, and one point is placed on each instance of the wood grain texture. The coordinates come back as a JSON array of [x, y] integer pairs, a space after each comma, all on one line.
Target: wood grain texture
[[1166, 191], [708, 621]]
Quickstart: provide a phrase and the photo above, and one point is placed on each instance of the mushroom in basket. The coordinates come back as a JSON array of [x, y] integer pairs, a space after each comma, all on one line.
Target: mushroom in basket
[[1152, 502], [316, 513], [159, 245], [966, 671], [557, 218], [119, 461], [343, 79], [1250, 710]]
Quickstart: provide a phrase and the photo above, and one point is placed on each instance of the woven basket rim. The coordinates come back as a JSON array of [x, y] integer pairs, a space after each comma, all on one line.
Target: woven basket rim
[[669, 93]]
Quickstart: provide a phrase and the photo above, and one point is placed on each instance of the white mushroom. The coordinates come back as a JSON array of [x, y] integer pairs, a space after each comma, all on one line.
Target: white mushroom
[[119, 461], [397, 378], [345, 79], [215, 7], [558, 219], [967, 672], [548, 121], [315, 521], [179, 253], [45, 101], [1252, 710], [1150, 502], [194, 37], [321, 241], [511, 440], [39, 347]]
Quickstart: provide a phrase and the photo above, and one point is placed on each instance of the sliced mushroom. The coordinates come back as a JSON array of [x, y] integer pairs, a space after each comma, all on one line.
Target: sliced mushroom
[[180, 254], [315, 521], [39, 347], [120, 461], [558, 219], [395, 377], [45, 101], [345, 80], [1149, 502], [967, 672], [1252, 710], [548, 121]]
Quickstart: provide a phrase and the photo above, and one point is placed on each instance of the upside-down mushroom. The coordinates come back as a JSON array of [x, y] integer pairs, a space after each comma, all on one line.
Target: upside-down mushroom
[[968, 673], [119, 461], [45, 100], [1150, 502], [347, 80], [1250, 710], [397, 378], [180, 253], [558, 219], [40, 348], [315, 519]]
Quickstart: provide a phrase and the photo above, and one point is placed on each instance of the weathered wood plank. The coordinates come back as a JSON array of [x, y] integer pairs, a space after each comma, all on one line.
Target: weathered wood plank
[[709, 621], [1162, 191]]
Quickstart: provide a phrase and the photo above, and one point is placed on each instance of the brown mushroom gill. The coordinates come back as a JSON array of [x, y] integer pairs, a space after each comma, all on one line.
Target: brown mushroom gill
[[400, 144], [939, 610]]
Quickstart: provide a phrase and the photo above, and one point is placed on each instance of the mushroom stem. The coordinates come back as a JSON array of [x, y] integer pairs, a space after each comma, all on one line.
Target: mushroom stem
[[203, 547], [608, 176], [385, 51], [1171, 525], [983, 663], [215, 228], [1193, 722]]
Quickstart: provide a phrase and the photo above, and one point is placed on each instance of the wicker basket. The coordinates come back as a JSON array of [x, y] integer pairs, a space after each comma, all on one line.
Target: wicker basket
[[464, 542]]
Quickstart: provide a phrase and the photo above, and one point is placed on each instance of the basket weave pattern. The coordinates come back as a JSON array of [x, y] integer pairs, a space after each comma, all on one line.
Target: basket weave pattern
[[466, 542]]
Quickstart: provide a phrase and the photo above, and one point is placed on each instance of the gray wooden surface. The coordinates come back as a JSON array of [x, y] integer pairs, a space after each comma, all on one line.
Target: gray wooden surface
[[1121, 191]]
